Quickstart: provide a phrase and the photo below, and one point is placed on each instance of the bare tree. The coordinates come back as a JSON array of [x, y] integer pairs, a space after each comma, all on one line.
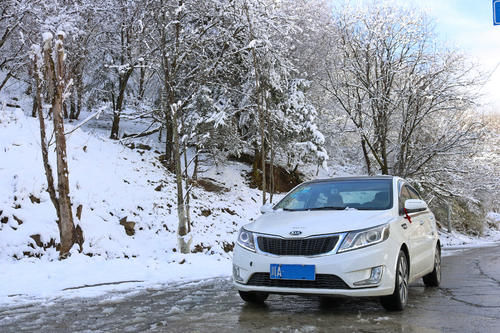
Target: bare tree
[[129, 55], [259, 98], [54, 69], [14, 15], [391, 81]]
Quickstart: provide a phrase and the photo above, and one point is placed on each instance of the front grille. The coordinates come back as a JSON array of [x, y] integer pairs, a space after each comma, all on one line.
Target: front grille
[[323, 281], [297, 247]]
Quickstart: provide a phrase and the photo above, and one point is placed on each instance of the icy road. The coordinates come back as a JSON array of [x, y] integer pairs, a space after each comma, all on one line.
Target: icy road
[[467, 301]]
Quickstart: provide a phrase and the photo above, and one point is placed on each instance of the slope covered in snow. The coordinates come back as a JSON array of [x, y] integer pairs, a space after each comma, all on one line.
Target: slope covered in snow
[[111, 183]]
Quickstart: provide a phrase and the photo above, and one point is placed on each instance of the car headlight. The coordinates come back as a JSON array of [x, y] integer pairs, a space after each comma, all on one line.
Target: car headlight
[[245, 240], [362, 238]]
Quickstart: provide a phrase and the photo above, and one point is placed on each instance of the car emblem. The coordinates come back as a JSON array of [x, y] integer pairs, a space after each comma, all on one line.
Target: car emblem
[[295, 232]]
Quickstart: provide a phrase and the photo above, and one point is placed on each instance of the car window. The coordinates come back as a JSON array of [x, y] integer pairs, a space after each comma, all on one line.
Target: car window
[[404, 195], [297, 200], [369, 194], [413, 193]]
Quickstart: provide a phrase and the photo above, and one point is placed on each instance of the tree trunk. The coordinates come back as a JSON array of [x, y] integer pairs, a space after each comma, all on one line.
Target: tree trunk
[[115, 128], [258, 97], [186, 182], [271, 173], [271, 151], [141, 81], [182, 229], [49, 72], [79, 93], [66, 226], [367, 158], [43, 139], [6, 78], [65, 110], [195, 167], [72, 105], [263, 151], [34, 110], [169, 143]]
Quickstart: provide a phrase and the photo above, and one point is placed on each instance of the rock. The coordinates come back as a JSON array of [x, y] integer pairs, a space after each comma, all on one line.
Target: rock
[[229, 211], [79, 212], [210, 185], [228, 247], [34, 199], [18, 220], [143, 146], [37, 240], [78, 237], [39, 243], [206, 212], [158, 188], [128, 225], [198, 248]]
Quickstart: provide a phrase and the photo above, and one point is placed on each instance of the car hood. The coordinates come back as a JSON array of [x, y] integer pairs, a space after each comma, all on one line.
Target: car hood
[[310, 223]]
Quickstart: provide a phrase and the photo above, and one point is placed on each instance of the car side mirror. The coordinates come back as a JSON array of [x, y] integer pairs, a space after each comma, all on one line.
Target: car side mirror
[[415, 205], [266, 208]]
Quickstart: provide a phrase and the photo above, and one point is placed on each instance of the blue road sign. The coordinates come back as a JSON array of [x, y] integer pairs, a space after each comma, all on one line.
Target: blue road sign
[[496, 12]]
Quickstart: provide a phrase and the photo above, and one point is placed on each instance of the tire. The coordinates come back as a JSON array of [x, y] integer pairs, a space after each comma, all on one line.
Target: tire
[[433, 279], [253, 297], [397, 301]]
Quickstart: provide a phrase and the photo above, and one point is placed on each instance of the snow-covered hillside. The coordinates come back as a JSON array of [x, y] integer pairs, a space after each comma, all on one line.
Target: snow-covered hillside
[[112, 184]]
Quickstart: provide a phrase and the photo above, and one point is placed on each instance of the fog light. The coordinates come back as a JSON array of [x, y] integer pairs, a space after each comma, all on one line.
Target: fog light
[[236, 274], [375, 277]]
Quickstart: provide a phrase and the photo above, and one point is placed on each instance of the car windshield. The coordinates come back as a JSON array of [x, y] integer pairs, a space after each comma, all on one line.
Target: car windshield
[[361, 194]]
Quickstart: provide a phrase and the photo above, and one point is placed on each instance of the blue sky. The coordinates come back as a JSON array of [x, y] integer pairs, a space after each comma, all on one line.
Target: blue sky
[[466, 25]]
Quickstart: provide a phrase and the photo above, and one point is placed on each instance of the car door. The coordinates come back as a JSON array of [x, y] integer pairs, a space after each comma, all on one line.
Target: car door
[[427, 224], [416, 234]]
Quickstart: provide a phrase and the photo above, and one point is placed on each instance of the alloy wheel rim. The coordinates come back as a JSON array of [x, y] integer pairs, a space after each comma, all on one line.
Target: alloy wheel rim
[[403, 280], [438, 265]]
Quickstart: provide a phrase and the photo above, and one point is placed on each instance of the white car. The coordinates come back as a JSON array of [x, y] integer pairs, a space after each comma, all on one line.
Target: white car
[[350, 236]]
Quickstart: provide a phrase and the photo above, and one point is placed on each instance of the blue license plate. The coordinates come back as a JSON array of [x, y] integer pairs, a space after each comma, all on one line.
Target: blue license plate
[[292, 272]]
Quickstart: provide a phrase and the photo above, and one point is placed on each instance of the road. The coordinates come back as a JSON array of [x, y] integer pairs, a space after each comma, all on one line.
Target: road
[[467, 301]]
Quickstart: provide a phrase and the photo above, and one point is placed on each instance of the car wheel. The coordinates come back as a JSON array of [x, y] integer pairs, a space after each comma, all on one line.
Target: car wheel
[[253, 296], [433, 279], [397, 301]]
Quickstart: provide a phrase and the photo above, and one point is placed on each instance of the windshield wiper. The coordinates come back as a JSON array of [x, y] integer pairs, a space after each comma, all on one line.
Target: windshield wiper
[[292, 210], [327, 208]]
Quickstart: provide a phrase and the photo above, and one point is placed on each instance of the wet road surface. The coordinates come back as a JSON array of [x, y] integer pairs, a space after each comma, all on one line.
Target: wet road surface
[[467, 301]]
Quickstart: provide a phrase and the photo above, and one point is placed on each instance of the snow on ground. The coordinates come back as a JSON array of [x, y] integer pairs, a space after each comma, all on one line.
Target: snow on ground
[[491, 236], [112, 182]]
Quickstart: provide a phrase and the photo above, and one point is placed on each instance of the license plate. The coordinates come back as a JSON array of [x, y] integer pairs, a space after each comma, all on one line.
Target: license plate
[[292, 272]]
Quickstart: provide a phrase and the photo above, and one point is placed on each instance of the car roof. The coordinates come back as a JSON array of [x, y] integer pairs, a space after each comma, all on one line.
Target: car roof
[[352, 178]]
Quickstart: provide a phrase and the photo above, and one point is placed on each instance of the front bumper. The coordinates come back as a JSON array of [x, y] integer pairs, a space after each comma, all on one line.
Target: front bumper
[[351, 267]]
